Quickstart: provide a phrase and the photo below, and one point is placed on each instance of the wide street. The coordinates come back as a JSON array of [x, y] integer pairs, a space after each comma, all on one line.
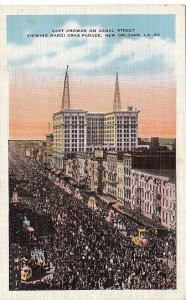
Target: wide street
[[86, 250]]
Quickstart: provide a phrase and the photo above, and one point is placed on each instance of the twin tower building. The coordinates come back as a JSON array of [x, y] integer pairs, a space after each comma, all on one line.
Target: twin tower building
[[80, 131]]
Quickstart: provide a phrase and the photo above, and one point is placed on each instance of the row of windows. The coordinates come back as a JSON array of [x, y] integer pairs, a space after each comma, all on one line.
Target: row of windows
[[124, 122], [74, 117], [74, 127], [74, 134], [120, 129], [67, 122], [73, 122], [95, 121], [158, 189], [127, 171], [120, 134], [74, 149], [74, 145], [126, 144], [120, 144], [74, 139], [127, 162]]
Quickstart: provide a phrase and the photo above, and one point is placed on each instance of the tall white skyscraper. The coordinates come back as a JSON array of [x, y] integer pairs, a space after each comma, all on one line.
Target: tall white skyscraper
[[79, 131]]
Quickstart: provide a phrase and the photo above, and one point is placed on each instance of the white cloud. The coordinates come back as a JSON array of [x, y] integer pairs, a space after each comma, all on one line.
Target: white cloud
[[140, 50], [41, 47], [132, 52]]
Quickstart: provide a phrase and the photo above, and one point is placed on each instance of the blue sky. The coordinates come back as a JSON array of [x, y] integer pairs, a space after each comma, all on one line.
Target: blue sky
[[129, 56]]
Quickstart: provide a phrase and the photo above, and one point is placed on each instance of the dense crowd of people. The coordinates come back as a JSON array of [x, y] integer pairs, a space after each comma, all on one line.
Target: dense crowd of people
[[88, 252]]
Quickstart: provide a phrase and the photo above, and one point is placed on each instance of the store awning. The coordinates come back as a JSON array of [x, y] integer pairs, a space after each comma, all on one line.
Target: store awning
[[108, 200], [118, 206]]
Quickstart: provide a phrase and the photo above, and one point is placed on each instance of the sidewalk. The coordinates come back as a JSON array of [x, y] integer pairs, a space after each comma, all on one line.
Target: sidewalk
[[131, 213]]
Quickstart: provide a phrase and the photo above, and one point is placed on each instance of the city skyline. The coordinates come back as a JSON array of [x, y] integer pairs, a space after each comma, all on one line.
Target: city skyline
[[35, 127]]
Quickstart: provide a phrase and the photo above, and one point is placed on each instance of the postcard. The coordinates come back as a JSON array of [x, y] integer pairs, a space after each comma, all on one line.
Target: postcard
[[92, 158]]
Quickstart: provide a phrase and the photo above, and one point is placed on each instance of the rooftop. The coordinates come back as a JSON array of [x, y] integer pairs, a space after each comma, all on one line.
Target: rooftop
[[171, 174], [70, 110], [95, 113], [127, 110]]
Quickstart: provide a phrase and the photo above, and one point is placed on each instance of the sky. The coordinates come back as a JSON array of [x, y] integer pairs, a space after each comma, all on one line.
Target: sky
[[145, 64]]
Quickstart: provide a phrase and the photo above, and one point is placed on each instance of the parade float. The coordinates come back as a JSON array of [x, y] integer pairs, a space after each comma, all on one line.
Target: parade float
[[111, 216], [92, 203], [140, 240]]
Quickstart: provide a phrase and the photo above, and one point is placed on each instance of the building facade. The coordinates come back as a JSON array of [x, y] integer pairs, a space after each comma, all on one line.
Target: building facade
[[112, 173], [169, 205], [153, 195], [105, 177], [127, 162], [95, 130], [121, 129], [79, 131], [120, 181], [150, 193], [69, 134], [49, 148]]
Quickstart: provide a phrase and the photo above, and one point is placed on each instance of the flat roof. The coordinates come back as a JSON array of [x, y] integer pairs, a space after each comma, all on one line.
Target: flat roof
[[95, 113], [134, 110], [170, 173], [70, 110]]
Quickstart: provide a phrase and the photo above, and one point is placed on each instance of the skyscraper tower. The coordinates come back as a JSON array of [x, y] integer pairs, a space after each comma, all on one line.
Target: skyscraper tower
[[117, 103], [66, 94]]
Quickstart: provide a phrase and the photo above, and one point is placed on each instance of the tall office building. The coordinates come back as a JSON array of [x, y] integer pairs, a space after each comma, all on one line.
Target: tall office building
[[121, 129], [121, 126], [69, 128], [79, 131], [69, 134], [95, 130]]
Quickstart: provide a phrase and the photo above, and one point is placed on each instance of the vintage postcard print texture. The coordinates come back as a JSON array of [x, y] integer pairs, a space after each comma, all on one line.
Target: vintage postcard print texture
[[94, 151]]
